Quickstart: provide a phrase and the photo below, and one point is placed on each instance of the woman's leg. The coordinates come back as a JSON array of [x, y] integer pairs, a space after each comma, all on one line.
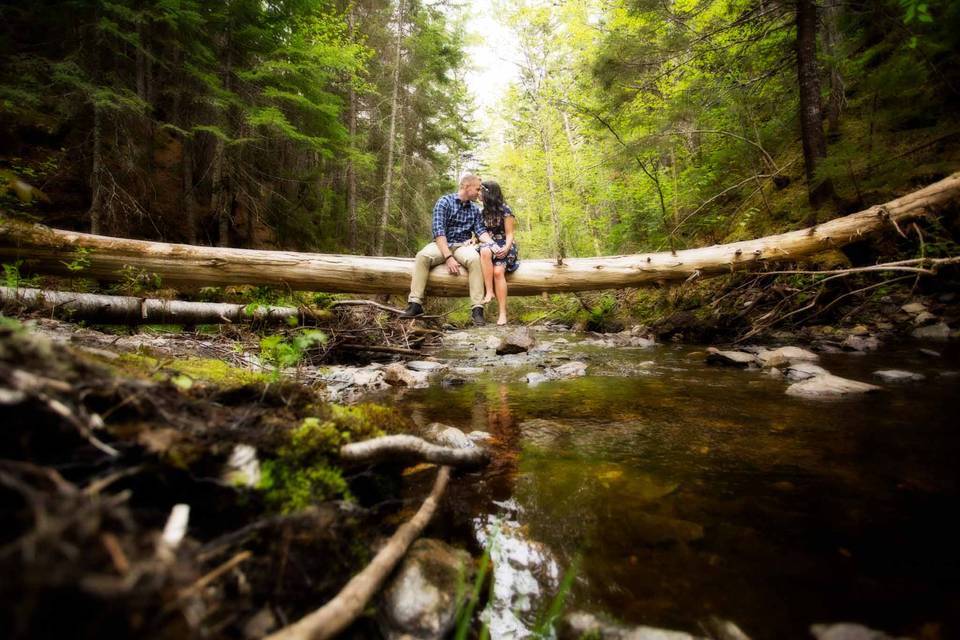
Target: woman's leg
[[486, 266], [500, 286]]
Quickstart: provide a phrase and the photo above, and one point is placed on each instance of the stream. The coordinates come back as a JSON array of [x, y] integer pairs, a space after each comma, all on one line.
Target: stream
[[690, 492]]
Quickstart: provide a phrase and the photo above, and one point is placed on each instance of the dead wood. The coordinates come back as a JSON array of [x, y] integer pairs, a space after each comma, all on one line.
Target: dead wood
[[43, 250], [131, 310], [406, 447], [338, 613]]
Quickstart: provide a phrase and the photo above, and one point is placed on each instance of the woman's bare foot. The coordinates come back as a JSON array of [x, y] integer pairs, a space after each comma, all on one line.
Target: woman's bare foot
[[502, 320], [487, 298]]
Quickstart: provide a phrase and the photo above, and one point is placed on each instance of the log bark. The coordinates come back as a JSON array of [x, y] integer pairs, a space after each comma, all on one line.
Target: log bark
[[130, 310], [46, 250], [336, 615], [408, 447]]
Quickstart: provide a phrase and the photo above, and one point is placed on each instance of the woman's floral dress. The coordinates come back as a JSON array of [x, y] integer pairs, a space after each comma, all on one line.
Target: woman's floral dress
[[499, 234]]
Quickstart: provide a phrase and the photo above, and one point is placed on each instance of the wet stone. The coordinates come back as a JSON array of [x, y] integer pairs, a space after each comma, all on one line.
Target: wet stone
[[740, 359], [924, 318], [426, 366], [580, 624], [829, 386], [846, 631], [447, 436], [896, 375], [420, 602], [914, 308], [861, 343], [803, 371], [786, 355], [517, 341], [939, 331]]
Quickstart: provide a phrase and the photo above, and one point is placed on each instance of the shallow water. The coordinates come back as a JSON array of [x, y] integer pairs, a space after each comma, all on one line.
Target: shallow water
[[692, 491]]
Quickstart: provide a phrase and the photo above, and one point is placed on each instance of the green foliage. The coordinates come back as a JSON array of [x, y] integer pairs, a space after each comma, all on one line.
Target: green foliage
[[546, 620], [80, 260], [13, 278], [282, 352]]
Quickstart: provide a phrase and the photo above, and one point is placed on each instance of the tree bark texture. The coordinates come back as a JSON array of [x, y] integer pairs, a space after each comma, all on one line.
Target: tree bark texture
[[132, 311], [811, 120], [46, 250]]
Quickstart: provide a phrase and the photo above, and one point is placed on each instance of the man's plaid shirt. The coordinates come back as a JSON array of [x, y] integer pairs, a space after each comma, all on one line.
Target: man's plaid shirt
[[455, 220]]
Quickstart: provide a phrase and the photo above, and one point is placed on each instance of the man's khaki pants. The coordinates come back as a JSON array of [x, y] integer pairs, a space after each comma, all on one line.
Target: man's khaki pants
[[429, 257]]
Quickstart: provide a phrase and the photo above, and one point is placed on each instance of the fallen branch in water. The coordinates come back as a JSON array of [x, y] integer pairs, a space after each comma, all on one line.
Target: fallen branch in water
[[411, 447], [343, 609]]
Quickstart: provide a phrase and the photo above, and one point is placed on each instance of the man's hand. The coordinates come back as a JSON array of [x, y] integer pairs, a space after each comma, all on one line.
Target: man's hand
[[452, 266]]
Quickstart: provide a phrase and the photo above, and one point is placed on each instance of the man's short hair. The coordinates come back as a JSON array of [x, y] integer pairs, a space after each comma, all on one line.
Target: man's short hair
[[467, 178]]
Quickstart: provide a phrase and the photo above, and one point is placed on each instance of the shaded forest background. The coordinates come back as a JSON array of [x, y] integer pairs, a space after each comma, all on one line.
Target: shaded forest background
[[333, 126]]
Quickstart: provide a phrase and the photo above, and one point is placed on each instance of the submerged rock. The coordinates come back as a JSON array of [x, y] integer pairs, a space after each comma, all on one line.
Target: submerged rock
[[573, 369], [421, 600], [580, 624], [939, 331], [861, 343], [829, 386], [740, 359], [896, 375], [847, 631], [786, 355]]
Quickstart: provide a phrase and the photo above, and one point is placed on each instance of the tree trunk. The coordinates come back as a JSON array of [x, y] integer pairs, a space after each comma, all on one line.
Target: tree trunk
[[388, 178], [132, 311], [96, 174], [811, 121], [352, 239], [832, 43], [558, 247], [42, 250]]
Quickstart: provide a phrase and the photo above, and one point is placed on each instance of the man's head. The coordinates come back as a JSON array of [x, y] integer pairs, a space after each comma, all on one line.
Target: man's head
[[469, 187]]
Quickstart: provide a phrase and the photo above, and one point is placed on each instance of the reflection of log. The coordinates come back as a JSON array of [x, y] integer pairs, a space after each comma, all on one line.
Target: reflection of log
[[405, 447], [46, 250], [130, 310], [336, 615]]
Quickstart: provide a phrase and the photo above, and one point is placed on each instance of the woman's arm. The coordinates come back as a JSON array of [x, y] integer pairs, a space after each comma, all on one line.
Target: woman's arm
[[508, 222]]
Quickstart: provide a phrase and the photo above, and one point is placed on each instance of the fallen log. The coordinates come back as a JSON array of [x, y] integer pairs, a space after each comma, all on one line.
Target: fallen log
[[45, 250], [338, 613], [406, 447], [130, 310]]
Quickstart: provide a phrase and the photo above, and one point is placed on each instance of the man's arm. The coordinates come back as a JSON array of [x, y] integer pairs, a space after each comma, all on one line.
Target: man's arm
[[452, 265]]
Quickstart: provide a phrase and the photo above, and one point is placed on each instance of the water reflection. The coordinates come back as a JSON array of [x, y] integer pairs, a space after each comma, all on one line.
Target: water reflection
[[694, 492]]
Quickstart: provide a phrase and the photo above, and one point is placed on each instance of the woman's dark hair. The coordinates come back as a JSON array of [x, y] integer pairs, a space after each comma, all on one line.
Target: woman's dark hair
[[493, 205]]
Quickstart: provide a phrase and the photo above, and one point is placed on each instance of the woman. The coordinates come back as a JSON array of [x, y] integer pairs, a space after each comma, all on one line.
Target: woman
[[499, 257]]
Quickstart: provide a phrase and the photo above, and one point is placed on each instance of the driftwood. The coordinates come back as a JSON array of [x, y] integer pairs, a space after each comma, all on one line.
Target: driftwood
[[338, 613], [45, 250], [130, 310], [408, 447]]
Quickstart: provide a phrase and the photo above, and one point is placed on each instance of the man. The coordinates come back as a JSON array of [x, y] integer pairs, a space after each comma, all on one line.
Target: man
[[455, 216]]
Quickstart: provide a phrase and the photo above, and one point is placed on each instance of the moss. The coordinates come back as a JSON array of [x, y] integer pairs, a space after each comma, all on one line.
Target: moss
[[304, 470], [288, 486], [207, 369]]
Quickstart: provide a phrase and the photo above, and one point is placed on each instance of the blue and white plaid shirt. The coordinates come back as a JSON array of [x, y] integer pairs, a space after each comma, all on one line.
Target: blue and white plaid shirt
[[455, 219]]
